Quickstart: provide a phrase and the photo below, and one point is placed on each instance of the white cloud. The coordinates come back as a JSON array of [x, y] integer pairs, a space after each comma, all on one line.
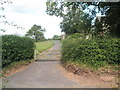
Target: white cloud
[[29, 12]]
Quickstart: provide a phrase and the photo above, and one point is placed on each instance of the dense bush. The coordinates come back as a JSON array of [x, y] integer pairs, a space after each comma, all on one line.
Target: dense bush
[[96, 53], [79, 36], [76, 36], [15, 48]]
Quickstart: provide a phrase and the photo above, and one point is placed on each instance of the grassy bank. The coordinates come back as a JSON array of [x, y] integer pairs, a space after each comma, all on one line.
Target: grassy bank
[[41, 46]]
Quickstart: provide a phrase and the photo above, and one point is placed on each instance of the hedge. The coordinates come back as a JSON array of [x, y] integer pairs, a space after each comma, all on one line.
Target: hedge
[[95, 53], [15, 48]]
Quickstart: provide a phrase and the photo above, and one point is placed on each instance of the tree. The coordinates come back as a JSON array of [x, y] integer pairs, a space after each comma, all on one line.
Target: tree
[[98, 30], [74, 19], [112, 17], [36, 32], [111, 10], [56, 37], [79, 23]]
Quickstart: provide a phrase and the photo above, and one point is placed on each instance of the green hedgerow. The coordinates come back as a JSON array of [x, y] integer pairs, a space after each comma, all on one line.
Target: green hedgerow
[[96, 53], [15, 48]]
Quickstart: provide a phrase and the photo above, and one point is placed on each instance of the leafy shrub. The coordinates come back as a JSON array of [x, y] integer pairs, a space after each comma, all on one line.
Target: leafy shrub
[[77, 35], [96, 53], [56, 37], [15, 48]]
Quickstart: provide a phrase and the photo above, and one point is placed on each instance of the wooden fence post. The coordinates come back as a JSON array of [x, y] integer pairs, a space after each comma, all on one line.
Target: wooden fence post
[[35, 54]]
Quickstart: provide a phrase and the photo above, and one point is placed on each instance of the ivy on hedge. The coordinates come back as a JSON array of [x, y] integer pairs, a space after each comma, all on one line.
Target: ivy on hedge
[[15, 48], [96, 53]]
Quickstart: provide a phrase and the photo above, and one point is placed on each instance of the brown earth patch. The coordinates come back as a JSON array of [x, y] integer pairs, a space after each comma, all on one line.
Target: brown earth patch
[[104, 79]]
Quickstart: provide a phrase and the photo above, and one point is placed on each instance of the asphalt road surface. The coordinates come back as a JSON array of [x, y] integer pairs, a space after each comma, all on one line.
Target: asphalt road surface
[[44, 73]]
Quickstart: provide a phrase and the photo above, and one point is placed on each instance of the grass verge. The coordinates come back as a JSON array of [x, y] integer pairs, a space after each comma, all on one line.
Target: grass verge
[[41, 46], [107, 67], [15, 67]]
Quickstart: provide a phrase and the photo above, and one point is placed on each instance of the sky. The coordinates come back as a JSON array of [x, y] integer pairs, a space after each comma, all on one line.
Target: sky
[[26, 13]]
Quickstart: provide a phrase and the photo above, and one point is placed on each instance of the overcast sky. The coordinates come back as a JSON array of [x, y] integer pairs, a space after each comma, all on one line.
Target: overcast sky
[[26, 13]]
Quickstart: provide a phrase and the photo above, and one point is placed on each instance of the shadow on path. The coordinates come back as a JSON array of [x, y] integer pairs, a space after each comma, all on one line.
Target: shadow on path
[[44, 73]]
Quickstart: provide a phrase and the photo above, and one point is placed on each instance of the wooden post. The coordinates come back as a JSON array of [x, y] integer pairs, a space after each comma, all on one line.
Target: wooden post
[[35, 52]]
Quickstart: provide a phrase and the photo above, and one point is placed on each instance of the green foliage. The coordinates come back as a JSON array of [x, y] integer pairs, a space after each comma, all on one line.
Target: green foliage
[[95, 53], [112, 12], [77, 36], [15, 48], [76, 22], [56, 37], [74, 19], [36, 32]]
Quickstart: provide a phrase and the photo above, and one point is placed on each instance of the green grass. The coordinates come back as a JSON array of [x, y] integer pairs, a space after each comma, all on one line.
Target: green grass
[[41, 46], [112, 68], [80, 64]]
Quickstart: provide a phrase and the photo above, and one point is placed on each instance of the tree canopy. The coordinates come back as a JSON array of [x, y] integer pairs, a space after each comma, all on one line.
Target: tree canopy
[[74, 19], [36, 32], [56, 37], [111, 19], [77, 16]]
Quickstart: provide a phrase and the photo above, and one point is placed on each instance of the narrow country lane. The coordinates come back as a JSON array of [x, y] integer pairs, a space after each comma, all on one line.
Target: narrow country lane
[[46, 72]]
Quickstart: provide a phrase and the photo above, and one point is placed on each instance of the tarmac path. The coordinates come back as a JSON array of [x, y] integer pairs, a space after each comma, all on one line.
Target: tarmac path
[[46, 72]]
